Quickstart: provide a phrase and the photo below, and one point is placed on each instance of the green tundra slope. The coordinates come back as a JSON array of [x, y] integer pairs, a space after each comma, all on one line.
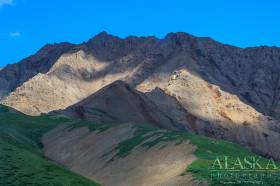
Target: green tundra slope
[[219, 162], [21, 161]]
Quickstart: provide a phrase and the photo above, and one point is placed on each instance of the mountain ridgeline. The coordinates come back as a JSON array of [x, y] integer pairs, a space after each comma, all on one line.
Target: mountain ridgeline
[[251, 73]]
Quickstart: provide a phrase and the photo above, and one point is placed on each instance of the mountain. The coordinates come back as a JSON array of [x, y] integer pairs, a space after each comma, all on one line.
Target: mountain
[[209, 88], [250, 73]]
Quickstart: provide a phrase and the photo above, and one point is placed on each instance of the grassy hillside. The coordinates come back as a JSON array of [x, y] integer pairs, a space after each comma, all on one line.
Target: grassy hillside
[[21, 160], [206, 167], [209, 150]]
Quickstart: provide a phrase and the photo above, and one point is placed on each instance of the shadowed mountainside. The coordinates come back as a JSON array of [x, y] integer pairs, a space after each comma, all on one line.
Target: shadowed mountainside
[[119, 103]]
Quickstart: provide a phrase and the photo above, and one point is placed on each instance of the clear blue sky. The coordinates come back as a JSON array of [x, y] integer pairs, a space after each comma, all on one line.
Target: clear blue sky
[[27, 25]]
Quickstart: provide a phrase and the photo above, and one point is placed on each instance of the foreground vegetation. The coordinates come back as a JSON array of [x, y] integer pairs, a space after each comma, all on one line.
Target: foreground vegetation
[[210, 152], [21, 160]]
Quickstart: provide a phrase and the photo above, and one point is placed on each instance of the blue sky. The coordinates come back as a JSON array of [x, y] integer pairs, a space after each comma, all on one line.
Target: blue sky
[[27, 25]]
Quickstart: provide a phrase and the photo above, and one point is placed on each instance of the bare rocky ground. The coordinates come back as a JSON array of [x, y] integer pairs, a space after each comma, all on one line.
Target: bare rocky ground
[[90, 153]]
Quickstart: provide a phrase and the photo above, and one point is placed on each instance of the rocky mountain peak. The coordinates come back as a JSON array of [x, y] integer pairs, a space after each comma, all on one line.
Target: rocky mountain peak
[[179, 36], [108, 47], [103, 37]]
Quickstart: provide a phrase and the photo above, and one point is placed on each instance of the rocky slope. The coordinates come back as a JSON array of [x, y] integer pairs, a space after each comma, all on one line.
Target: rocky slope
[[214, 112], [158, 165], [13, 76], [66, 82], [119, 103], [130, 154]]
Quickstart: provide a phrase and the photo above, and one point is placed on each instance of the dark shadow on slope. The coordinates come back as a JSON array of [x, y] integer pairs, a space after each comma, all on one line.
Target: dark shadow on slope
[[119, 103]]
